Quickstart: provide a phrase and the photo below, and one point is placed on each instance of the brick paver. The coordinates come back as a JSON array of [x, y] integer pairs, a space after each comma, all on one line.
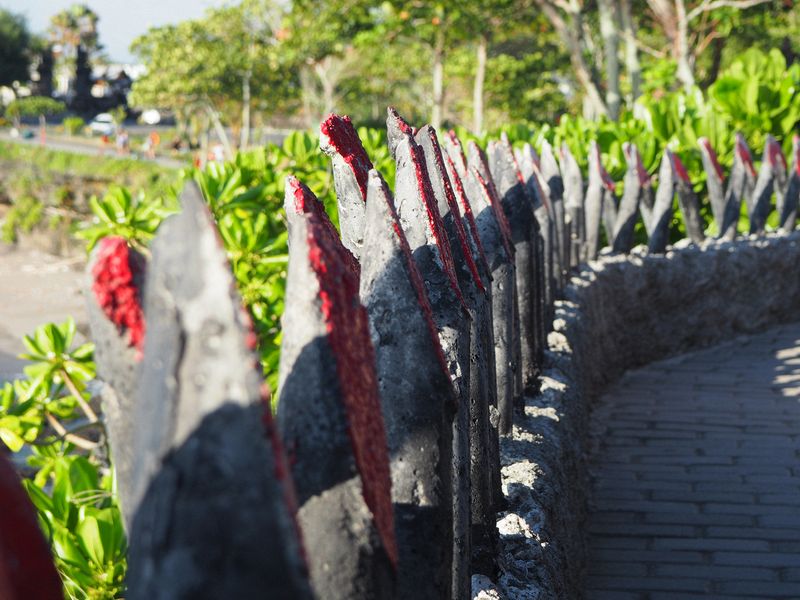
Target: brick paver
[[696, 477]]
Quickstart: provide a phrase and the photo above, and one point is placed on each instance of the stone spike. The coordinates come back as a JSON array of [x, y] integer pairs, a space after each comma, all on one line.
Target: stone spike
[[455, 151], [417, 399], [114, 304], [740, 188], [477, 160], [715, 181], [555, 183], [596, 200], [518, 208], [201, 444], [396, 129], [770, 176], [662, 210], [330, 417], [781, 173], [351, 165], [27, 571], [788, 214], [573, 201], [622, 240], [687, 200]]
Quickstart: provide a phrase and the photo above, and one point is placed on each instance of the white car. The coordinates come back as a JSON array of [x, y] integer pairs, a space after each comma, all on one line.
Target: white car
[[150, 117], [103, 124]]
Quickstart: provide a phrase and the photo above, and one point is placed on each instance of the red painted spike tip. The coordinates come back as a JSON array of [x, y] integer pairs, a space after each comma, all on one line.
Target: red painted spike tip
[[305, 202], [434, 218], [608, 183], [743, 150], [775, 154], [115, 273], [401, 123], [461, 194], [27, 571], [339, 135], [631, 151], [438, 158], [494, 198], [453, 139], [678, 168], [347, 327], [705, 145], [491, 200]]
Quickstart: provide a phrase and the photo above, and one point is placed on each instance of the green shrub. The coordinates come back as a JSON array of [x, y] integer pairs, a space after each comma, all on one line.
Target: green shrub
[[73, 125]]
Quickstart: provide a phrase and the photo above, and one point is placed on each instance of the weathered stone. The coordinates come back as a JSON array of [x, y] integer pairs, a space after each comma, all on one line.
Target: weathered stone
[[662, 210], [27, 571], [518, 208], [636, 179], [330, 415], [418, 402], [551, 174], [116, 357], [351, 165], [715, 181], [788, 210], [573, 202], [599, 203], [740, 187], [211, 494], [770, 179], [687, 200]]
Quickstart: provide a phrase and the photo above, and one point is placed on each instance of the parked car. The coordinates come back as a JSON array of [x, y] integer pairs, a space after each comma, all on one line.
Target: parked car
[[103, 124], [150, 117]]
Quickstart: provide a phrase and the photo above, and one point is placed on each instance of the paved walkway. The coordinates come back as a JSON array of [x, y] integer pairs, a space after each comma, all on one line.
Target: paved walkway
[[697, 476]]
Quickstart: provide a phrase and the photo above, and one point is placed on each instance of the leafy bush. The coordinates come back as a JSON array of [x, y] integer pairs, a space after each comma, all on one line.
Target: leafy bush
[[73, 125]]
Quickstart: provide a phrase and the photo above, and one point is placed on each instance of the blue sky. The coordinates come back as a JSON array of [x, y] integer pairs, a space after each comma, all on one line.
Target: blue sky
[[120, 20]]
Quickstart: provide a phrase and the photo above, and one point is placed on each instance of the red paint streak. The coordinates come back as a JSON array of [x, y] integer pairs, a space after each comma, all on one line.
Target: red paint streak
[[434, 218], [467, 208], [641, 172], [347, 326], [678, 167], [796, 152], [744, 154], [605, 178], [306, 202], [494, 199], [115, 273], [487, 193], [462, 160], [344, 140], [26, 564], [706, 145], [282, 470], [537, 178], [775, 154], [401, 123], [451, 203]]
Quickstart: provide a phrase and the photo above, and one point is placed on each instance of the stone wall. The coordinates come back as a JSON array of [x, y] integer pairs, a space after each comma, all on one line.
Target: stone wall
[[620, 312]]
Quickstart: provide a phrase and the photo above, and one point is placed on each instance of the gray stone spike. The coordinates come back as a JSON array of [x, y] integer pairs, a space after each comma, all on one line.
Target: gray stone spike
[[573, 202], [551, 173], [770, 179], [518, 209], [740, 187], [118, 362], [329, 413], [212, 498], [788, 213], [636, 179], [351, 165], [715, 181], [687, 200], [662, 210], [418, 400], [484, 437], [596, 198]]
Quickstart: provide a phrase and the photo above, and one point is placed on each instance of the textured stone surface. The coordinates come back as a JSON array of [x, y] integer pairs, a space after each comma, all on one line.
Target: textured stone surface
[[687, 200], [636, 179], [210, 492], [662, 209], [715, 180], [620, 313], [741, 182]]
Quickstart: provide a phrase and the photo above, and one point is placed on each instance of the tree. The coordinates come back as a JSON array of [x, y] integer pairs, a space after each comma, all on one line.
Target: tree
[[15, 46], [33, 106]]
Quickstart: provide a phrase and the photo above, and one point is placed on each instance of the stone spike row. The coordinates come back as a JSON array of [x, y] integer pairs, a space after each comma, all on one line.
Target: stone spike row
[[406, 345]]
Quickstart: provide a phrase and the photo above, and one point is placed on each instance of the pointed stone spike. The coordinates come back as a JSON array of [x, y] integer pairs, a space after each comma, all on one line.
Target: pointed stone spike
[[715, 181], [396, 129], [781, 174], [455, 151], [555, 185], [628, 213], [740, 187], [417, 400], [573, 201], [788, 214], [662, 210], [772, 172], [113, 292], [27, 571], [201, 444], [351, 165], [477, 160], [687, 200], [596, 199]]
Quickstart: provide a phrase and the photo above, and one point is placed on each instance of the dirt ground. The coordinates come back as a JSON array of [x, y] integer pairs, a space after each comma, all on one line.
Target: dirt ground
[[35, 288]]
